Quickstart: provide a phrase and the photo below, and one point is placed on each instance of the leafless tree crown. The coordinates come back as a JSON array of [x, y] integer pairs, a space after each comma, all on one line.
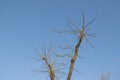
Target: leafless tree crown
[[52, 68]]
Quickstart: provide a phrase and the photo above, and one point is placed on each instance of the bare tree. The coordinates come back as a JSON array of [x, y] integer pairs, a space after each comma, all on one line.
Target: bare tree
[[53, 64], [44, 57], [81, 34], [105, 76]]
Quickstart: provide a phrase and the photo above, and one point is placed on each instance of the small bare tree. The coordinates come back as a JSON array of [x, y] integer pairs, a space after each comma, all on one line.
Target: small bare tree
[[105, 76], [81, 34], [52, 64]]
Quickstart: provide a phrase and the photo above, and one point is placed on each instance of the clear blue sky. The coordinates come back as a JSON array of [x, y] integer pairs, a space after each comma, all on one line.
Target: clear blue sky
[[24, 23]]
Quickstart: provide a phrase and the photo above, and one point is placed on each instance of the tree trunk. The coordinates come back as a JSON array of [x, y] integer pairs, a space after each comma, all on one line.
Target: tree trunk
[[74, 58]]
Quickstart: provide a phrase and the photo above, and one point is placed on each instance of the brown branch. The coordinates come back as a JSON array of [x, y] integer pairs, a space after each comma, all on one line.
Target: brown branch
[[81, 36], [51, 70], [74, 57]]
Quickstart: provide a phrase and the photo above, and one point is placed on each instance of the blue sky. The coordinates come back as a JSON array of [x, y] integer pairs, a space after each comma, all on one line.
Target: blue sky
[[24, 23]]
